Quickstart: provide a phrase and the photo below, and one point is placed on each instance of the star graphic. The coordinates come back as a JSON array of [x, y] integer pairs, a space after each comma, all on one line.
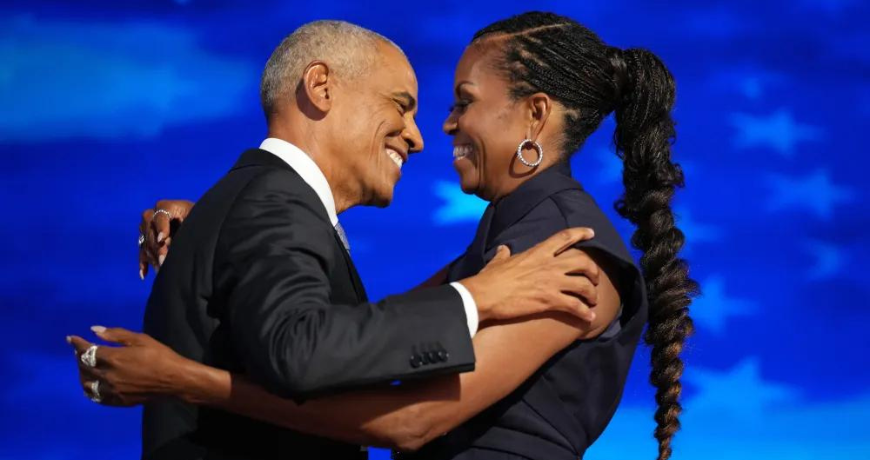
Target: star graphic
[[458, 206], [740, 393], [779, 131], [695, 232], [829, 259], [609, 166], [751, 82], [814, 192], [713, 308]]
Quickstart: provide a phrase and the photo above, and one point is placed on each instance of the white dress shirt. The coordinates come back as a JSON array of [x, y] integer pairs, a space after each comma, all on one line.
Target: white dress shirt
[[313, 176]]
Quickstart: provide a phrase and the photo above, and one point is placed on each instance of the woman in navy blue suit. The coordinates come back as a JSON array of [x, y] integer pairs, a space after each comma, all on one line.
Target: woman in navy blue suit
[[529, 91]]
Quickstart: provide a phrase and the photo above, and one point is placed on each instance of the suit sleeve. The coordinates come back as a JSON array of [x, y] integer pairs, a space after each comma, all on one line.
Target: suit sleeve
[[277, 248]]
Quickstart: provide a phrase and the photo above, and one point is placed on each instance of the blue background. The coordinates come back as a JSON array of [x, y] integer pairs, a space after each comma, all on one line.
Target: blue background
[[107, 106]]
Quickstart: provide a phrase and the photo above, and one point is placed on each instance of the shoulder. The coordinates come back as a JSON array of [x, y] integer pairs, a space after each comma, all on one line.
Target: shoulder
[[276, 209]]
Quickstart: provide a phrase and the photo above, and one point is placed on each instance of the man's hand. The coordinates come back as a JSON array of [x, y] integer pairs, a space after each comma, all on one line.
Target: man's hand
[[137, 371], [158, 229], [552, 276]]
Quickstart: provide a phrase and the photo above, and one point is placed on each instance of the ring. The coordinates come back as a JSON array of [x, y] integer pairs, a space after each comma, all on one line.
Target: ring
[[95, 392], [141, 240], [89, 357], [161, 211]]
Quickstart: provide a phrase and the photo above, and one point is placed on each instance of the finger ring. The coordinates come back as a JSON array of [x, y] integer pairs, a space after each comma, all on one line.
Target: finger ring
[[161, 211], [141, 240], [89, 357], [95, 392]]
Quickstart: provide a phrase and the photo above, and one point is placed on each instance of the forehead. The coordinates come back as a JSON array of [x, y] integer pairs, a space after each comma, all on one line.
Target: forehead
[[477, 65], [392, 71]]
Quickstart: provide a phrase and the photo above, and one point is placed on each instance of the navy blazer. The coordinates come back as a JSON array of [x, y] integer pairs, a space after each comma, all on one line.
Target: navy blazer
[[558, 412]]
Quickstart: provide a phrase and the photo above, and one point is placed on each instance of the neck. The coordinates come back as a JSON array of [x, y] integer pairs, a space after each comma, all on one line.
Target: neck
[[518, 175], [304, 136]]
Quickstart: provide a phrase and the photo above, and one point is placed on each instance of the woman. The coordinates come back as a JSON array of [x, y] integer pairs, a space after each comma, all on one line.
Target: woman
[[529, 90]]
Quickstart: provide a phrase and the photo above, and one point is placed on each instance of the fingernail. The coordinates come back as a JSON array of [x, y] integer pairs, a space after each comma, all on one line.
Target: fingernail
[[591, 316], [161, 258], [160, 237], [98, 329], [68, 339], [592, 232], [141, 275]]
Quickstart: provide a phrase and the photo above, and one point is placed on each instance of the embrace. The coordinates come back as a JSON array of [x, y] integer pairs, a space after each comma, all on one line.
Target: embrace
[[260, 342]]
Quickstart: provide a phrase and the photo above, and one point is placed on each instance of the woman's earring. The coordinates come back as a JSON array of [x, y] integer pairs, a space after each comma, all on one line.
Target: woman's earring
[[537, 148]]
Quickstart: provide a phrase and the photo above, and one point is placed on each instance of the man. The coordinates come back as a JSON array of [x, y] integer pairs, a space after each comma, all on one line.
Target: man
[[260, 280]]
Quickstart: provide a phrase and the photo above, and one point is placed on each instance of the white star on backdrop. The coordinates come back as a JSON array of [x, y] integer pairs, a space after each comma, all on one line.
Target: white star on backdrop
[[828, 259], [778, 131], [458, 206], [695, 232], [815, 193], [740, 392], [713, 308]]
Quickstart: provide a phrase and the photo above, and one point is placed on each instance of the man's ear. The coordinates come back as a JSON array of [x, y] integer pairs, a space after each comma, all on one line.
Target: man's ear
[[317, 86]]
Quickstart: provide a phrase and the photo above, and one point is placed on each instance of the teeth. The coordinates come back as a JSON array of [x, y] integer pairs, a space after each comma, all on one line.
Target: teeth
[[397, 159], [460, 151]]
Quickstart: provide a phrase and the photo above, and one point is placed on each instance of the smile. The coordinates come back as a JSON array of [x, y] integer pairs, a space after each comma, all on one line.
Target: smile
[[461, 151], [396, 157]]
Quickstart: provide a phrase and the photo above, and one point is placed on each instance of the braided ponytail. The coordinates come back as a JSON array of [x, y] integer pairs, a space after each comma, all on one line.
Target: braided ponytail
[[643, 137]]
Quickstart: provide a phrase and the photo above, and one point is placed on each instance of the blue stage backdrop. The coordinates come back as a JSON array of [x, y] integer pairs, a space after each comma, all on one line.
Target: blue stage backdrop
[[107, 106]]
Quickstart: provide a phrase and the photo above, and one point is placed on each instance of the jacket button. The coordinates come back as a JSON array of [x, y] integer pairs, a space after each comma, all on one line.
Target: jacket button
[[433, 357], [442, 355], [424, 357], [415, 361]]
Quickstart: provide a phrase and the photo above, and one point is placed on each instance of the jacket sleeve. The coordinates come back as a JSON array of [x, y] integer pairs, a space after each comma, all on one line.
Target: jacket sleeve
[[276, 249]]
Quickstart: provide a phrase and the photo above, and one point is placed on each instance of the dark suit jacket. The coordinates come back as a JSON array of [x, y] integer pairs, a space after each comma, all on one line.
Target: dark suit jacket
[[258, 282], [559, 411]]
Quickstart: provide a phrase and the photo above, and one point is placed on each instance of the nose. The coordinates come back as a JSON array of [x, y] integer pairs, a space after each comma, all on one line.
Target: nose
[[450, 124], [411, 134]]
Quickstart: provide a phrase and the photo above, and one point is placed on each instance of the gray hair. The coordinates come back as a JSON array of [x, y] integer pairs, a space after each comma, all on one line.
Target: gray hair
[[347, 48]]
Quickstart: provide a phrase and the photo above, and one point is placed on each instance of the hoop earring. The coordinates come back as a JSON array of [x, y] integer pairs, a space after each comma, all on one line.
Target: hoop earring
[[537, 148]]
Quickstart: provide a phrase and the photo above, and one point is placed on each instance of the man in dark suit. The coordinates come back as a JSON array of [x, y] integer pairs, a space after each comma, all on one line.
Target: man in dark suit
[[260, 279]]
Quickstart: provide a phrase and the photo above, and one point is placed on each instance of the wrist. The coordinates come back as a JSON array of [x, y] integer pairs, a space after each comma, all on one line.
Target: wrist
[[189, 382], [481, 299]]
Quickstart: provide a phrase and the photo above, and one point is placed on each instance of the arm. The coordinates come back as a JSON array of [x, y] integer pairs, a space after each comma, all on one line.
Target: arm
[[274, 258], [404, 417]]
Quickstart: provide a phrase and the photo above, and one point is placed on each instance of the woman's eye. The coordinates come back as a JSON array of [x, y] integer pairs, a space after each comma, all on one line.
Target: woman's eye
[[461, 105]]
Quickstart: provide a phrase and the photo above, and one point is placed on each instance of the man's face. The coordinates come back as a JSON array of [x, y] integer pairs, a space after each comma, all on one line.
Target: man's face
[[376, 130]]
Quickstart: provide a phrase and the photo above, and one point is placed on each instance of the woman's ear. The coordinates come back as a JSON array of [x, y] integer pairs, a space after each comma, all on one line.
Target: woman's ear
[[540, 106]]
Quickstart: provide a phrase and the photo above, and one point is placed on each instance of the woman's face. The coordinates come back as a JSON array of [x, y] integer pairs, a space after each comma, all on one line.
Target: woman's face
[[487, 126]]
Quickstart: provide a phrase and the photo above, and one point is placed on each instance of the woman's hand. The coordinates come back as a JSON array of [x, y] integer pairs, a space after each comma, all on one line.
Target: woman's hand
[[137, 371], [157, 227]]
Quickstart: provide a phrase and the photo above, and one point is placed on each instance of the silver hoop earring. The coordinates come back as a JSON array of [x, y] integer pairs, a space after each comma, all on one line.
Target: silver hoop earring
[[537, 148]]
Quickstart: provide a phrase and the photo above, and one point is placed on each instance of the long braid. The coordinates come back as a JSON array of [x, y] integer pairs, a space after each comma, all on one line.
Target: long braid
[[643, 137], [544, 52]]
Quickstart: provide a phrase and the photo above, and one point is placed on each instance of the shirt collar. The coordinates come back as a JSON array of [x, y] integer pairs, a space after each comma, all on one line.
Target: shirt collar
[[307, 169], [529, 194]]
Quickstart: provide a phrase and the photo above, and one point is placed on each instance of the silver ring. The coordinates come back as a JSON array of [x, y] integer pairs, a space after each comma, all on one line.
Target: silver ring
[[95, 392], [141, 240], [161, 211], [89, 357]]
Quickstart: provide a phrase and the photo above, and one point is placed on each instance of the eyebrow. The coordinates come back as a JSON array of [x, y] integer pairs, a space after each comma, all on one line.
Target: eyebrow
[[460, 85], [406, 99]]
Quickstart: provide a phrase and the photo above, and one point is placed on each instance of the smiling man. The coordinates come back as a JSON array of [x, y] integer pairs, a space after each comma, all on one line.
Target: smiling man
[[260, 279]]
